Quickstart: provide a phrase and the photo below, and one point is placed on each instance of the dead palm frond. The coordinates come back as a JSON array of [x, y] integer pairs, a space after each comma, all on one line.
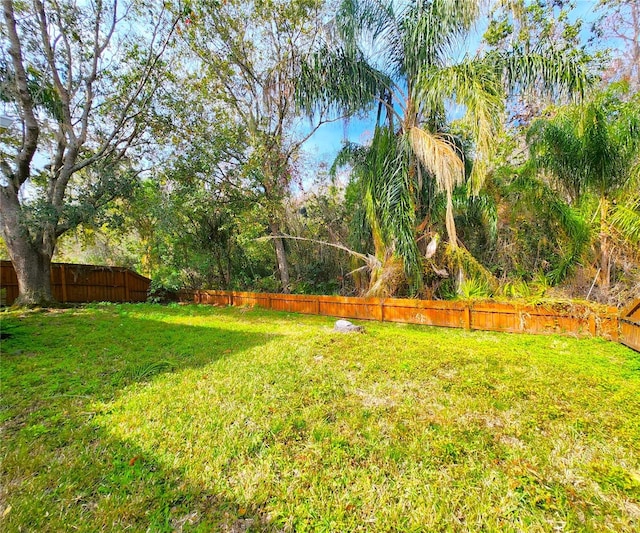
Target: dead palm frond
[[444, 161]]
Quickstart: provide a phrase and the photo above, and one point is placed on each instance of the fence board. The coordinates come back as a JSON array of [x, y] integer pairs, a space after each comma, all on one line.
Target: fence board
[[75, 283], [632, 311], [496, 317], [630, 334], [291, 302], [346, 307], [630, 326]]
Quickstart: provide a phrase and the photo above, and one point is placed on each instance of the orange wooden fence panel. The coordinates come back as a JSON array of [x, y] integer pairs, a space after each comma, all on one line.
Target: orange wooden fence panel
[[86, 283], [427, 312], [72, 283], [8, 282], [632, 311], [575, 319], [365, 308], [630, 326]]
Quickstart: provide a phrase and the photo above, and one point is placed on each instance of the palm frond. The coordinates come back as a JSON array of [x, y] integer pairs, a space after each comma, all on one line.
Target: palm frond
[[592, 145], [550, 73], [365, 22], [430, 30], [350, 154], [555, 148], [341, 80], [477, 211], [440, 156], [625, 218], [475, 85], [574, 236]]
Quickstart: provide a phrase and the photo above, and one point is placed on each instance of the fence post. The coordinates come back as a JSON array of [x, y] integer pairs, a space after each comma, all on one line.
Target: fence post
[[467, 316], [381, 309], [520, 318], [63, 276], [592, 325]]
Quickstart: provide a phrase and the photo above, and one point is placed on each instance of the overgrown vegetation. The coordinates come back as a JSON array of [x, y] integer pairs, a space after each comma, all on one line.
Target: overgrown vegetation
[[192, 418], [479, 165]]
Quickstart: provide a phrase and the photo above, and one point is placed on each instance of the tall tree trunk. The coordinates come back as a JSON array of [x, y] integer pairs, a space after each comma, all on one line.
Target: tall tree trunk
[[33, 269], [605, 246], [281, 257], [31, 263], [452, 235], [386, 278]]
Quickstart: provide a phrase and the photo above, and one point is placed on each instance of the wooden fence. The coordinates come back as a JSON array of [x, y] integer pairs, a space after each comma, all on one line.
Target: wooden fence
[[89, 283], [565, 319], [630, 325], [72, 283]]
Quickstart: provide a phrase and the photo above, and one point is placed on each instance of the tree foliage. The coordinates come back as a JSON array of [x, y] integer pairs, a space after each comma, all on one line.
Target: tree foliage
[[402, 59], [171, 136], [79, 78], [594, 148]]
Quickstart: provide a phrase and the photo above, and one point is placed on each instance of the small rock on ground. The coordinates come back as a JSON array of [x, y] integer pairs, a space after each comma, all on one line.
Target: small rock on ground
[[344, 326]]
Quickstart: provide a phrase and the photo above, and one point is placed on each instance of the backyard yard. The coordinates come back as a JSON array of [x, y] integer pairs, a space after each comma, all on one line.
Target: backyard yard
[[141, 417]]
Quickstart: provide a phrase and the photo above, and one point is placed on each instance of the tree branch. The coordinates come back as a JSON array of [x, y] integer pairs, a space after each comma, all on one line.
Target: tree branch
[[124, 116], [32, 129]]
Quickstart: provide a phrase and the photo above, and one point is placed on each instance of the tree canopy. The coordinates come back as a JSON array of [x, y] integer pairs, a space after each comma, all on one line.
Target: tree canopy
[[501, 156]]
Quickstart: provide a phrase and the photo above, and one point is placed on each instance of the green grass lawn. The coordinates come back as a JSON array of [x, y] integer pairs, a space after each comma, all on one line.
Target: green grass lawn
[[150, 418]]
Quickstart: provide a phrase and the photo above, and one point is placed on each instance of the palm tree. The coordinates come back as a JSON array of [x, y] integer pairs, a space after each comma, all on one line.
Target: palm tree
[[594, 149], [558, 225], [400, 57]]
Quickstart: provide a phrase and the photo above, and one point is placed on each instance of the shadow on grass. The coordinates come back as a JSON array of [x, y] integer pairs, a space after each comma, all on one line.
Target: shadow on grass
[[62, 471], [97, 354]]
